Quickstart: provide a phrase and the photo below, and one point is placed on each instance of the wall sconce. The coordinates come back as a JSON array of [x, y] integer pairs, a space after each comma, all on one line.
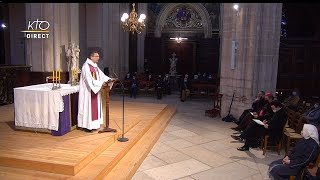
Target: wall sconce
[[236, 8], [179, 39]]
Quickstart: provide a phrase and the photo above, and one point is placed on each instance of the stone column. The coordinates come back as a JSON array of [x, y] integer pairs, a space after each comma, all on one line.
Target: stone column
[[256, 31], [45, 55], [142, 9]]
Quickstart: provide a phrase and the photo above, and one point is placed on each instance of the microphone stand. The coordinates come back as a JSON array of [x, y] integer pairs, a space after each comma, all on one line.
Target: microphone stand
[[122, 138]]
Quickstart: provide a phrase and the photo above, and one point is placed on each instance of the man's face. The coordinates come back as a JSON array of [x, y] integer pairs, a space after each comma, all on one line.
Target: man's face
[[259, 95], [95, 57], [275, 109], [268, 98]]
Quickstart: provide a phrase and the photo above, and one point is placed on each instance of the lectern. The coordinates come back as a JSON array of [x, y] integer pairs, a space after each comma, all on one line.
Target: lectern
[[105, 92]]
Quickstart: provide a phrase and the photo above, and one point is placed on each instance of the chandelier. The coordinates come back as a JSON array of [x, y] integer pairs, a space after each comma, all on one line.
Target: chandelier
[[179, 39], [132, 23]]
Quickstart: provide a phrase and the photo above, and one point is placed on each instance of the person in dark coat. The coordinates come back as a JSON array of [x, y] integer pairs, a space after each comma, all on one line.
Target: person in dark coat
[[265, 113], [305, 151], [159, 87], [185, 87], [133, 87], [273, 127], [166, 84], [313, 115], [256, 106]]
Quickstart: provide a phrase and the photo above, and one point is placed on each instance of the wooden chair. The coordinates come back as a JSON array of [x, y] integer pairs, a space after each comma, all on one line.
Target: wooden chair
[[290, 121], [216, 110], [264, 143], [296, 125]]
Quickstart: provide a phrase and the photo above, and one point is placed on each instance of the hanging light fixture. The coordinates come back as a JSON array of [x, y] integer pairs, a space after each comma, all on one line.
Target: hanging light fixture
[[131, 22], [179, 39]]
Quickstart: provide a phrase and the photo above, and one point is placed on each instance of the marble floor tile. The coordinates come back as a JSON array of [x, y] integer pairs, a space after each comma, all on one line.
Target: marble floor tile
[[231, 171], [178, 143], [205, 156], [141, 176], [172, 156], [186, 178], [171, 128], [182, 133], [215, 146], [197, 139], [177, 170], [159, 147], [215, 136], [254, 177], [151, 162], [165, 136]]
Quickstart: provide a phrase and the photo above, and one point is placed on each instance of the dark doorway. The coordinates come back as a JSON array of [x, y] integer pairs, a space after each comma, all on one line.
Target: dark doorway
[[186, 54]]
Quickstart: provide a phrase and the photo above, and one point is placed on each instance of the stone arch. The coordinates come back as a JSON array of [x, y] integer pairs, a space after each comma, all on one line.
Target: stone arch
[[198, 7]]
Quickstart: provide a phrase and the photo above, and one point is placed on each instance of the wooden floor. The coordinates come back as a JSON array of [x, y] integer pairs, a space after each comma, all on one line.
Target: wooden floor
[[81, 155]]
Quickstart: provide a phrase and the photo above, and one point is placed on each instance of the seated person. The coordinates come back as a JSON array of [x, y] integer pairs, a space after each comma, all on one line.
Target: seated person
[[257, 105], [150, 79], [127, 77], [273, 127], [313, 115], [210, 78], [195, 79], [264, 113], [293, 100], [203, 77], [305, 151]]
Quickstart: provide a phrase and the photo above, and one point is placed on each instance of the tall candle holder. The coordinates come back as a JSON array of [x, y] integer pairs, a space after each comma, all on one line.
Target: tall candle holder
[[56, 80], [74, 77]]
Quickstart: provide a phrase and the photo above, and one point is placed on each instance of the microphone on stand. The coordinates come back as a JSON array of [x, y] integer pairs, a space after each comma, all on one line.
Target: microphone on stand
[[122, 138]]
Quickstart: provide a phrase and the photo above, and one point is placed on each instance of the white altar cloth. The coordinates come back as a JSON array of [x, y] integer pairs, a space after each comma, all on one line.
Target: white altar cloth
[[38, 106]]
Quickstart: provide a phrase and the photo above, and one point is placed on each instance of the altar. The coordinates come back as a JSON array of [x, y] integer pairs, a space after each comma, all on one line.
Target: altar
[[38, 107]]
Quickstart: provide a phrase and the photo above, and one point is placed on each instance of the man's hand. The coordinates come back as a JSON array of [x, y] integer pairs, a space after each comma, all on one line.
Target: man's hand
[[286, 160], [105, 84], [112, 80]]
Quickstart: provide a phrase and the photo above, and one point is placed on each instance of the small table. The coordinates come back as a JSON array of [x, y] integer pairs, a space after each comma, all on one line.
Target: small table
[[39, 107]]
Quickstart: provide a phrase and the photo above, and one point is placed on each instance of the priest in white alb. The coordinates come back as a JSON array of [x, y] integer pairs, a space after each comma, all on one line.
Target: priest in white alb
[[92, 80]]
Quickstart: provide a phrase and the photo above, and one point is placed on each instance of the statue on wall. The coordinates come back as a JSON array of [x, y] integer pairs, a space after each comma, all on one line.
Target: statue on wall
[[173, 63], [73, 56]]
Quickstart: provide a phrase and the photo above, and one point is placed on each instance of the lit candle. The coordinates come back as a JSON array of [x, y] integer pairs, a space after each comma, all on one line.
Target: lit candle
[[52, 76], [59, 79]]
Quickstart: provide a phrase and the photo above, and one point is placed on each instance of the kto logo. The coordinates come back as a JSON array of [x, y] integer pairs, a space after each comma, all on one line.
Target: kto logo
[[37, 29]]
